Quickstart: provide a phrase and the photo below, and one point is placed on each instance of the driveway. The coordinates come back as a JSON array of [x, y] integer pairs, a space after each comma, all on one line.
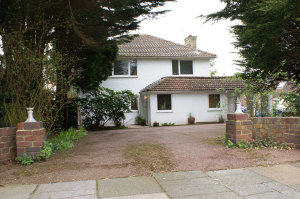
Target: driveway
[[101, 154]]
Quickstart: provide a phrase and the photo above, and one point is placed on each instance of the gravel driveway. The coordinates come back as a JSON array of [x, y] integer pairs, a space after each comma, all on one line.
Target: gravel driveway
[[101, 155]]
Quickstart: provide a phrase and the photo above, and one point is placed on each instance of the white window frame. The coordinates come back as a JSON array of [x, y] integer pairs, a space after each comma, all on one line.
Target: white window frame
[[164, 111], [179, 65], [218, 108], [129, 70]]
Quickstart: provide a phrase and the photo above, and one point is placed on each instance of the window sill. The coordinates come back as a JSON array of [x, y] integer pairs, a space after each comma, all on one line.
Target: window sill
[[214, 109], [164, 111], [123, 76], [134, 111]]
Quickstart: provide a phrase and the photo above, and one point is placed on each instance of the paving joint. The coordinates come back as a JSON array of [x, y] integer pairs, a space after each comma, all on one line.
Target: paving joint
[[161, 186], [97, 190], [34, 191]]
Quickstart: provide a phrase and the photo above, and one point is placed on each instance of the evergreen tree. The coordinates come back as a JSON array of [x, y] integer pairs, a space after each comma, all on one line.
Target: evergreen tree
[[268, 37]]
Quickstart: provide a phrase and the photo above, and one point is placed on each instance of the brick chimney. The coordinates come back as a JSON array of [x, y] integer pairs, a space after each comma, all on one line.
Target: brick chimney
[[191, 42]]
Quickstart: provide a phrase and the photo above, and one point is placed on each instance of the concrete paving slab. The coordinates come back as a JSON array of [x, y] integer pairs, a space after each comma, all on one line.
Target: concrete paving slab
[[79, 189], [250, 189], [224, 195], [189, 187], [295, 186], [127, 186], [143, 196], [246, 177], [270, 195], [179, 175], [292, 194], [285, 174], [229, 172], [65, 194], [278, 187], [16, 191]]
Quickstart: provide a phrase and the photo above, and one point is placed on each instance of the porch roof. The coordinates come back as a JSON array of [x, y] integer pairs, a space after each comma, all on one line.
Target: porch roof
[[184, 83]]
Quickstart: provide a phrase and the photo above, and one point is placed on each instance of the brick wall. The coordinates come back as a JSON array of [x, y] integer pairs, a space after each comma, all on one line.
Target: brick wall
[[283, 129], [7, 144], [240, 127]]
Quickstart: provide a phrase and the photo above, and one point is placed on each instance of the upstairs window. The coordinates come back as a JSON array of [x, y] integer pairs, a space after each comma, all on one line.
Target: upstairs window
[[182, 67], [214, 100], [164, 102], [125, 67]]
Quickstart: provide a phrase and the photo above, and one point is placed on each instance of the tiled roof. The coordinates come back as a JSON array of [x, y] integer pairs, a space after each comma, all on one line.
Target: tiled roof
[[195, 84], [150, 46]]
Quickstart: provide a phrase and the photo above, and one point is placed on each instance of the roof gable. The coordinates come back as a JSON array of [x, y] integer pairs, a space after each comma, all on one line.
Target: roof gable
[[150, 46]]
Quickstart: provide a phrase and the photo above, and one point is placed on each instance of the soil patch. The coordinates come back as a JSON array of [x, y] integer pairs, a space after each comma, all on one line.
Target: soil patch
[[150, 157]]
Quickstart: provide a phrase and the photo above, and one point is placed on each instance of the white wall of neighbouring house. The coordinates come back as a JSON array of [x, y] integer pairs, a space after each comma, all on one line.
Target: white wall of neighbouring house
[[182, 104], [150, 70]]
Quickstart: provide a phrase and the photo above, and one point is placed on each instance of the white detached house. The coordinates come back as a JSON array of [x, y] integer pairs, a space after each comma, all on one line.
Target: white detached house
[[171, 81]]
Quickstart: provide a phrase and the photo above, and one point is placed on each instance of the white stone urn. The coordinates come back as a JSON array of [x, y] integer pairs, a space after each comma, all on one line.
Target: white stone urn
[[30, 115], [238, 106]]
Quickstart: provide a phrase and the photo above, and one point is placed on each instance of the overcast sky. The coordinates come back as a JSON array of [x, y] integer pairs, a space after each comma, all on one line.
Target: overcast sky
[[182, 21]]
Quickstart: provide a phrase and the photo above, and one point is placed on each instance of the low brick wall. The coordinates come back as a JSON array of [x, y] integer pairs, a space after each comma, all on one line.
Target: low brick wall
[[7, 144], [282, 129], [240, 127]]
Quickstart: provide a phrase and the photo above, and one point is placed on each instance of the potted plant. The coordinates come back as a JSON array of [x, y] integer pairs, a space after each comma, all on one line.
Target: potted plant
[[140, 121], [156, 124], [191, 119]]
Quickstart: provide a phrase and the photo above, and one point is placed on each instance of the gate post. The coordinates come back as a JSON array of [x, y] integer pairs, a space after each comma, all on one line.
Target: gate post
[[30, 136], [239, 127]]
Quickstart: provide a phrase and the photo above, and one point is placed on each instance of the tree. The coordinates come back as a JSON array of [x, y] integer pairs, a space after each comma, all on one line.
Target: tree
[[268, 37], [51, 46]]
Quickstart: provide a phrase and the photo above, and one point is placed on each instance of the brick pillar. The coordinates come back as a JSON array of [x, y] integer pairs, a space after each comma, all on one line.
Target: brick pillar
[[239, 127], [30, 138]]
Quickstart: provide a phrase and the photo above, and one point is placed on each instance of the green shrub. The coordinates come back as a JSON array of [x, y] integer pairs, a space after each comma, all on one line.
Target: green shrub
[[25, 159], [101, 105], [168, 124], [258, 143], [63, 141], [46, 152]]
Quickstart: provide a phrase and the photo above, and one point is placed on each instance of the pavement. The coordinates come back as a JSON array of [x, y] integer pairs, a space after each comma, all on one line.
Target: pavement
[[279, 181]]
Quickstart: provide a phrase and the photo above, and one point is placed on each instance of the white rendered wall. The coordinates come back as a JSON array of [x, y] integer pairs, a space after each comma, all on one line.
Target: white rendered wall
[[183, 104], [150, 70]]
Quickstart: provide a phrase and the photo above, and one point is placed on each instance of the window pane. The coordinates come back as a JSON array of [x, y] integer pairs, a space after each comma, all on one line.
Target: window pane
[[121, 68], [134, 104], [214, 101], [175, 67], [164, 102], [133, 67], [186, 67]]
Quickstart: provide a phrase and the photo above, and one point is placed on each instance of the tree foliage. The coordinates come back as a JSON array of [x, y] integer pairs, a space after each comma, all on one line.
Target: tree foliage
[[54, 45], [268, 36]]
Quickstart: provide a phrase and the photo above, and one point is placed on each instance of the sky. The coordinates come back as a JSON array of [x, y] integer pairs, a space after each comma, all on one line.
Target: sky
[[183, 20]]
